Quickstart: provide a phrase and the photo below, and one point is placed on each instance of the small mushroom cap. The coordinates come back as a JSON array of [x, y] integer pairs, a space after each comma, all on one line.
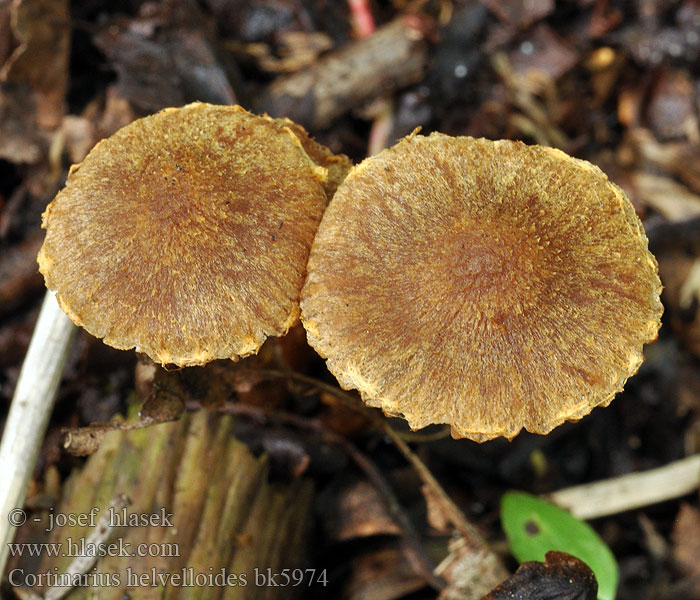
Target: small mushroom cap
[[186, 234], [338, 165], [488, 285]]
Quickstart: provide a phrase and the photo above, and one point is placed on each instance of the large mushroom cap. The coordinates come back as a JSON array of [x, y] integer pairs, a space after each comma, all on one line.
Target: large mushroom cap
[[488, 285], [186, 234]]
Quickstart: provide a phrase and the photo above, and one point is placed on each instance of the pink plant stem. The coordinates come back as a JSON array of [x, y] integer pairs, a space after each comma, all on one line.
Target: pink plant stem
[[362, 19]]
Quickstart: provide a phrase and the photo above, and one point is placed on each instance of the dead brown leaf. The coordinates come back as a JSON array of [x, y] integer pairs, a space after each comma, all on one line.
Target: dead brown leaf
[[383, 574], [85, 441], [561, 576], [19, 139], [520, 13], [357, 511], [671, 110], [42, 31], [470, 573], [437, 518], [165, 57], [686, 543]]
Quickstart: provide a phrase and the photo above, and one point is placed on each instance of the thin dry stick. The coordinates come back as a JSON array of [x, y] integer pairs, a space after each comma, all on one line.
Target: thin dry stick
[[418, 437], [450, 509], [456, 516], [634, 490], [82, 441], [351, 402], [412, 545], [392, 57], [542, 127], [30, 410]]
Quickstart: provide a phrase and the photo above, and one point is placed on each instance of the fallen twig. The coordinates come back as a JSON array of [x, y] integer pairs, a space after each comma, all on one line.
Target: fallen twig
[[412, 545], [82, 564], [472, 538], [30, 410], [392, 57], [634, 490]]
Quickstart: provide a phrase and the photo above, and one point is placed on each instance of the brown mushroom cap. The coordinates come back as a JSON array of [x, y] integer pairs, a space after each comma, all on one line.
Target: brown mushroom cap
[[488, 285], [338, 165], [186, 234]]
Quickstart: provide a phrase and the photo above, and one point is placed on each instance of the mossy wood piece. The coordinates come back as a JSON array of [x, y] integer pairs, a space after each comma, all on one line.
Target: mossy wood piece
[[226, 517]]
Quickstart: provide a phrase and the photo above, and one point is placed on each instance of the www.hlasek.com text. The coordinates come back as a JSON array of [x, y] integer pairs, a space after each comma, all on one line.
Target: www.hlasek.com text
[[82, 547]]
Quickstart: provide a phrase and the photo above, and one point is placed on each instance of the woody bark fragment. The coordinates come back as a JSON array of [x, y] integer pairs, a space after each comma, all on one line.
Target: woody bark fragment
[[199, 505], [561, 576], [393, 57]]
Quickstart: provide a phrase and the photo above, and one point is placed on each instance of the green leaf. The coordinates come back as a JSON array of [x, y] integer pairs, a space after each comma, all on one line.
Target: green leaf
[[534, 527]]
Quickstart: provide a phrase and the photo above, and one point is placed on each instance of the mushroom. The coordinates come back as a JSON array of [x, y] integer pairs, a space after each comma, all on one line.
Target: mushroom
[[487, 285], [186, 233]]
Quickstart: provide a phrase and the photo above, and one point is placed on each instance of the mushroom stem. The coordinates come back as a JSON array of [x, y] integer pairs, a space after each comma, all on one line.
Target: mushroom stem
[[30, 411]]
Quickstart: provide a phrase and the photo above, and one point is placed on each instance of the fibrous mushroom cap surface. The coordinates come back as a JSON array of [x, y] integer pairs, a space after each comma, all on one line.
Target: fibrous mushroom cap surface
[[488, 285], [185, 235]]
